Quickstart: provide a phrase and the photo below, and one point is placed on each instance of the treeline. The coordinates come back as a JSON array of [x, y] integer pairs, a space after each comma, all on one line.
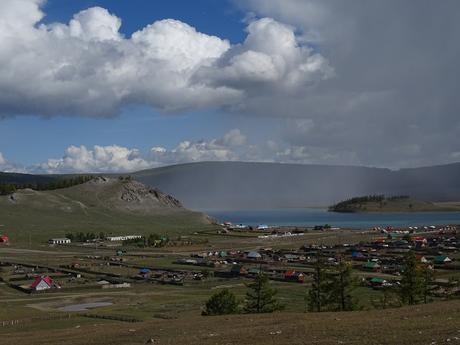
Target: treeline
[[350, 204], [152, 240], [7, 188], [85, 237], [10, 188], [331, 290]]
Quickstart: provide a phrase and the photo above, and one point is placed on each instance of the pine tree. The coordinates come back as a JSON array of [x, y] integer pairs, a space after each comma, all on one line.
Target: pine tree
[[221, 303], [317, 295], [427, 280], [261, 296], [340, 288], [411, 281]]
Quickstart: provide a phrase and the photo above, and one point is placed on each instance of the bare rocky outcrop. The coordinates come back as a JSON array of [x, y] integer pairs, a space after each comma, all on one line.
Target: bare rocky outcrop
[[138, 193]]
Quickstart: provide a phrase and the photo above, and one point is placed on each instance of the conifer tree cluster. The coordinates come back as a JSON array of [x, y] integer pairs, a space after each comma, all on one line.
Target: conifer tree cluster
[[260, 298], [416, 281], [331, 288], [59, 183]]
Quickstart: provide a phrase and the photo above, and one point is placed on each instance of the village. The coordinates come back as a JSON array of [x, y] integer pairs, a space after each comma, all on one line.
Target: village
[[121, 261], [88, 280]]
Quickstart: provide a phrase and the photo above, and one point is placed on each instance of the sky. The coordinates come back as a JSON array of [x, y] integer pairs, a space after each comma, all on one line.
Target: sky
[[117, 86]]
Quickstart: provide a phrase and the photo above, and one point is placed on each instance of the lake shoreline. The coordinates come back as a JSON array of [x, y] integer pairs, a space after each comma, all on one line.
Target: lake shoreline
[[310, 217]]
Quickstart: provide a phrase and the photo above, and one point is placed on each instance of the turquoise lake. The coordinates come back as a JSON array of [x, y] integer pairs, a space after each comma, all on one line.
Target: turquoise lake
[[317, 216]]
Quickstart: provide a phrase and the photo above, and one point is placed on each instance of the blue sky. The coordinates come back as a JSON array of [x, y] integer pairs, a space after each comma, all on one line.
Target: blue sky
[[220, 18]]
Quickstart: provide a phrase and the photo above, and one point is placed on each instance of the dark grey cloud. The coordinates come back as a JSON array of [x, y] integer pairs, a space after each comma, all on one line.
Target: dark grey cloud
[[394, 98]]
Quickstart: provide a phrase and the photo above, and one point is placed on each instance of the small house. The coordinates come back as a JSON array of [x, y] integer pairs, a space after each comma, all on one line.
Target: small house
[[377, 282], [371, 266], [423, 260], [442, 260], [144, 272], [4, 239], [291, 257], [123, 238], [254, 255], [42, 283], [59, 241], [238, 270], [262, 227], [254, 271], [357, 255], [292, 275]]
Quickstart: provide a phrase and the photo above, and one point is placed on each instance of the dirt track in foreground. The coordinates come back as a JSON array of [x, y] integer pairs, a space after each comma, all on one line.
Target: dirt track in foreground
[[437, 323]]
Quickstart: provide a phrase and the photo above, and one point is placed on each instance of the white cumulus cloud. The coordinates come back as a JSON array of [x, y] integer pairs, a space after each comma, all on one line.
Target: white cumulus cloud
[[271, 55], [226, 148], [114, 158], [80, 159], [87, 67], [7, 166]]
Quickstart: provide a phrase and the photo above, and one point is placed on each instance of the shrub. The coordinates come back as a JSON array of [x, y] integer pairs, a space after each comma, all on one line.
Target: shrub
[[221, 303]]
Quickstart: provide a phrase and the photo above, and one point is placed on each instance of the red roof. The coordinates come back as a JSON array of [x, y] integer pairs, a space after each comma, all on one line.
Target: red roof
[[289, 273], [46, 279], [419, 238], [4, 238]]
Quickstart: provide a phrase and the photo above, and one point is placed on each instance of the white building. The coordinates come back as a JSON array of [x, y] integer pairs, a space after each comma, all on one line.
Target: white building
[[263, 227], [59, 241], [123, 238]]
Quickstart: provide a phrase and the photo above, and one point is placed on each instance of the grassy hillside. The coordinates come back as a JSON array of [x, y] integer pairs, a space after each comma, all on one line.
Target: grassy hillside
[[435, 323], [113, 206], [392, 204]]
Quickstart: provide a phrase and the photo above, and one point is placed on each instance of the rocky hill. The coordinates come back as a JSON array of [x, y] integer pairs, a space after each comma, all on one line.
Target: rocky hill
[[111, 205]]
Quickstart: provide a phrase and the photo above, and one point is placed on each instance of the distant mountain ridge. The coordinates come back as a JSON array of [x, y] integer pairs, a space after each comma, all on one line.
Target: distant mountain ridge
[[241, 185]]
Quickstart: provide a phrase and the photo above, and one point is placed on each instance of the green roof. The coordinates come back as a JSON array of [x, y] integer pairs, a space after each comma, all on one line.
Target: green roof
[[254, 270], [377, 280], [440, 258], [371, 264]]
